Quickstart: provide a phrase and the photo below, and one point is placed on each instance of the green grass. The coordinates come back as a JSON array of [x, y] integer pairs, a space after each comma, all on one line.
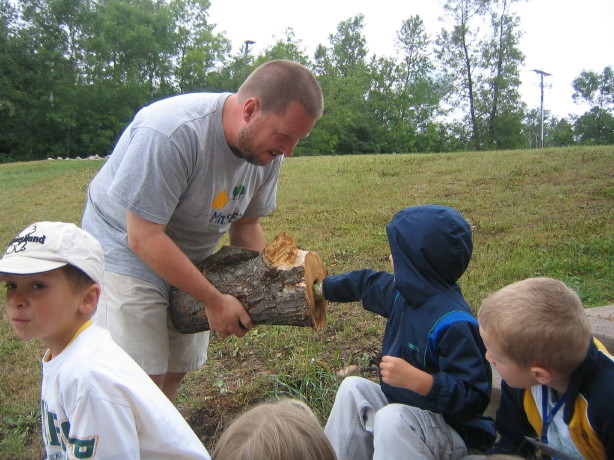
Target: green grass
[[536, 213]]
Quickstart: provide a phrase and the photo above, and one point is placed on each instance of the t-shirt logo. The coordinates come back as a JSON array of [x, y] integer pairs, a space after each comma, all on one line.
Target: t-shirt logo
[[57, 439], [238, 192], [221, 199]]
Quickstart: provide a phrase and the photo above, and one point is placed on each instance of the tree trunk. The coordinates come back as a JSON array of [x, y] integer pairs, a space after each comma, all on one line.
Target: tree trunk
[[275, 286]]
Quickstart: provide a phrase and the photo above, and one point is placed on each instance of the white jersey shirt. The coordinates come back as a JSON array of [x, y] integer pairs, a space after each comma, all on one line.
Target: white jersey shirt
[[96, 402]]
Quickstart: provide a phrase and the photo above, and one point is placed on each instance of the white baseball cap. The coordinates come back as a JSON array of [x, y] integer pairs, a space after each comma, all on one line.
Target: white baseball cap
[[45, 246]]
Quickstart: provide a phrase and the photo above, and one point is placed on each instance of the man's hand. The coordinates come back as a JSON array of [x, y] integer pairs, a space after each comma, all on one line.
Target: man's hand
[[151, 243], [228, 317]]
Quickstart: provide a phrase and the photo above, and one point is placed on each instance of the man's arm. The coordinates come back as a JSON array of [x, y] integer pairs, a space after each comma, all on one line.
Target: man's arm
[[247, 233], [150, 242]]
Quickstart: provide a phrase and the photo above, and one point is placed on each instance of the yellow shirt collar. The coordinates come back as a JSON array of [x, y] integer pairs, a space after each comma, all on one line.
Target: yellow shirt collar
[[83, 327]]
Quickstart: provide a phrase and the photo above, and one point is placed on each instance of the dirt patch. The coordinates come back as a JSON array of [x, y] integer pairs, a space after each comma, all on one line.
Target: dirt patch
[[243, 372]]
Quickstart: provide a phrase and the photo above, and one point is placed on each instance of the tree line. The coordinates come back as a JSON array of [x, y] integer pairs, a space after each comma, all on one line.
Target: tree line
[[74, 72]]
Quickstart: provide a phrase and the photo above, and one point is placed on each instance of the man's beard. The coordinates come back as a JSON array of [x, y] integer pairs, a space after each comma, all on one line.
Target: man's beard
[[244, 146]]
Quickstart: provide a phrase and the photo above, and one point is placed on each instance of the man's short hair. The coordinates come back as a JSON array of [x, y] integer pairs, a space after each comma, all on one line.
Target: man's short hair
[[277, 83]]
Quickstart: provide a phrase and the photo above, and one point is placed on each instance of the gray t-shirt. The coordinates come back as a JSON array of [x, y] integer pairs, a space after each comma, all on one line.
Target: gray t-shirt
[[172, 166]]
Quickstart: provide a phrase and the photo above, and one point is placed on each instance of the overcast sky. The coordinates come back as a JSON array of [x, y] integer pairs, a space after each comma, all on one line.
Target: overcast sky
[[561, 37]]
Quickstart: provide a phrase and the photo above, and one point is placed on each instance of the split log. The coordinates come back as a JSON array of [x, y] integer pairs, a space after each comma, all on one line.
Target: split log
[[275, 286]]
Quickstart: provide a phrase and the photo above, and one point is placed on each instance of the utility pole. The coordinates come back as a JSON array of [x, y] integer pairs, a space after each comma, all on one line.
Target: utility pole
[[247, 43], [541, 85]]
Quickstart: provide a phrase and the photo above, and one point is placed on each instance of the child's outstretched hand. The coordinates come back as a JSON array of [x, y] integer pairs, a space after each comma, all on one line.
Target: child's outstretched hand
[[399, 373], [318, 290]]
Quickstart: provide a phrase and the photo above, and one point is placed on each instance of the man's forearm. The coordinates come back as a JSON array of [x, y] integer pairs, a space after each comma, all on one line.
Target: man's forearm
[[151, 243], [248, 234]]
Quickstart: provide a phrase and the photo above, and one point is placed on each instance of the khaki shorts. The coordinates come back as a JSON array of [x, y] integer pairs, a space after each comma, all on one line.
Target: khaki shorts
[[136, 314]]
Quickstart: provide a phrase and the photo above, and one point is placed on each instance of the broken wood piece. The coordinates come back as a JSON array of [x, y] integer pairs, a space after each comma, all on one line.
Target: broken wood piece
[[275, 287]]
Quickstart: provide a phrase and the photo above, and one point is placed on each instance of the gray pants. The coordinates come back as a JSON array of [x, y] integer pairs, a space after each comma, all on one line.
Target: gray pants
[[362, 425]]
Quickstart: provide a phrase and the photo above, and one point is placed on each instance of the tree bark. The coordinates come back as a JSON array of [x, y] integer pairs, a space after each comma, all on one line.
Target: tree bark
[[275, 286]]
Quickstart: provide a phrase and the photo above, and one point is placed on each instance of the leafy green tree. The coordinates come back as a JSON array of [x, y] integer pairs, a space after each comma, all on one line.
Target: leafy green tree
[[597, 125], [134, 42], [532, 127], [453, 136], [419, 90], [199, 51], [483, 69], [414, 44], [91, 64], [390, 108], [596, 89], [500, 96], [560, 133], [348, 124], [459, 50], [287, 47], [11, 74], [231, 75], [53, 31], [349, 47]]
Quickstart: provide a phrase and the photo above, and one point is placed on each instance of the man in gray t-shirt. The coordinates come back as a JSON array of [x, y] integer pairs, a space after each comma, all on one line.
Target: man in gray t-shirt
[[187, 170]]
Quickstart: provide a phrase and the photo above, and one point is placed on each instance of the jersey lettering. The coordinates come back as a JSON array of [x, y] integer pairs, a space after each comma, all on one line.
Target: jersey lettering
[[56, 435]]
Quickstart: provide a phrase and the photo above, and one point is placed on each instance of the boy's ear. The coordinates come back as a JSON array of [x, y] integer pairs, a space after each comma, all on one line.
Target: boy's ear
[[89, 301], [543, 376]]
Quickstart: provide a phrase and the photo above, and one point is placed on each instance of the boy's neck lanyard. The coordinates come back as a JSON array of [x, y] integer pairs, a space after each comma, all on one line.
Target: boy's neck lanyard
[[548, 417]]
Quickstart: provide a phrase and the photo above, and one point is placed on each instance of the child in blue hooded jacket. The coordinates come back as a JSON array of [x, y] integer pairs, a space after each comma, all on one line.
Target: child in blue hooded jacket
[[435, 381]]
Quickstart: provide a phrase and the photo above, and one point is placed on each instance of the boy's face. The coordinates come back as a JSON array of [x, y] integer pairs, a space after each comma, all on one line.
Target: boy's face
[[45, 307], [512, 373]]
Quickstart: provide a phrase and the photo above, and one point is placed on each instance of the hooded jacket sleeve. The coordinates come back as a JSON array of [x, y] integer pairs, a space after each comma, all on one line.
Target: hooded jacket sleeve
[[461, 385], [375, 290]]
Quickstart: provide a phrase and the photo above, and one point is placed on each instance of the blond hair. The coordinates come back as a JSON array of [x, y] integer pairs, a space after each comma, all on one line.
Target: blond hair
[[538, 322], [277, 83], [286, 429]]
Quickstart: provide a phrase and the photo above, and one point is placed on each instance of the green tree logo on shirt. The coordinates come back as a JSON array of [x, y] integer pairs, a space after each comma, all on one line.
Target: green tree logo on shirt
[[238, 192]]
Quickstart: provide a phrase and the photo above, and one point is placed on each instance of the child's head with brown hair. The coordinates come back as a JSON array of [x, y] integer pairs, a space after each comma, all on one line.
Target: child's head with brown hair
[[537, 322], [77, 277], [286, 429], [52, 272]]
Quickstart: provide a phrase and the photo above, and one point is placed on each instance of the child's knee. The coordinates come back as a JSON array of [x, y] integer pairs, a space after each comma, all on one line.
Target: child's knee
[[354, 384], [394, 413]]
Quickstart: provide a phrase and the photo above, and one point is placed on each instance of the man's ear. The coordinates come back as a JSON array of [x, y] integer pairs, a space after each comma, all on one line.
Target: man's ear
[[250, 107], [542, 375], [89, 301]]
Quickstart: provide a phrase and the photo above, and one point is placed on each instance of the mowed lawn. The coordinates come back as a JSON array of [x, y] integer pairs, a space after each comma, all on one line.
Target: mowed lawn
[[543, 212]]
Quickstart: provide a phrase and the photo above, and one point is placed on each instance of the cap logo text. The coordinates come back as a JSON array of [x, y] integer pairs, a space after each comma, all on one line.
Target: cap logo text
[[19, 244]]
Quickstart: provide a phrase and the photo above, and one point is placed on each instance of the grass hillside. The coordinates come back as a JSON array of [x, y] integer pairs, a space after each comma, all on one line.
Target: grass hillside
[[540, 212]]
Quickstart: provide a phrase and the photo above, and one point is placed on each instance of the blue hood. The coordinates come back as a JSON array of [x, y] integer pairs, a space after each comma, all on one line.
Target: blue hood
[[431, 247]]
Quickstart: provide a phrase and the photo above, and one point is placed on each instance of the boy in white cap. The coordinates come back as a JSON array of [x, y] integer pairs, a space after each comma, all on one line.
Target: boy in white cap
[[96, 402]]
